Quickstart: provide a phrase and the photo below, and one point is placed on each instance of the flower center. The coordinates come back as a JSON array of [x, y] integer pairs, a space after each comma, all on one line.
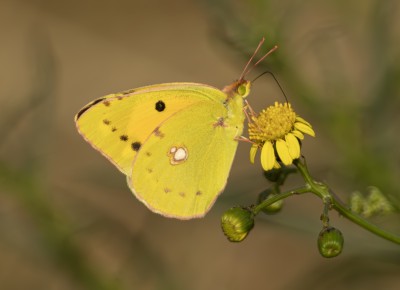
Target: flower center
[[273, 123]]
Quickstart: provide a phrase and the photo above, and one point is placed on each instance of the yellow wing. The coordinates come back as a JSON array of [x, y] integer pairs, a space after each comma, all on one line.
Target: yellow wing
[[184, 164], [117, 125]]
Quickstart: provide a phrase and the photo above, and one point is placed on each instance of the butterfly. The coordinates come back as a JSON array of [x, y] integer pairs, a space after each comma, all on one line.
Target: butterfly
[[175, 142]]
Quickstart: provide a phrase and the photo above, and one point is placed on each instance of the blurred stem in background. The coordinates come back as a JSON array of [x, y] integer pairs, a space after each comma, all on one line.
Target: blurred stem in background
[[23, 179], [23, 175]]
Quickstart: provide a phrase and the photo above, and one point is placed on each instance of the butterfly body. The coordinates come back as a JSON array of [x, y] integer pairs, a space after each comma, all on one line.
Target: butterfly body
[[175, 142]]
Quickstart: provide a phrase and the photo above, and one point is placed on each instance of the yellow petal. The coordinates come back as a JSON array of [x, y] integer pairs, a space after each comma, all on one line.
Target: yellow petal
[[301, 120], [267, 156], [298, 134], [277, 165], [283, 152], [304, 128], [253, 152], [293, 145]]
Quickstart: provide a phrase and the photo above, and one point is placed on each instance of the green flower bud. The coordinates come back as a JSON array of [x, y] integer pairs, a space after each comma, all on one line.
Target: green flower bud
[[236, 223], [273, 174], [273, 208], [330, 242]]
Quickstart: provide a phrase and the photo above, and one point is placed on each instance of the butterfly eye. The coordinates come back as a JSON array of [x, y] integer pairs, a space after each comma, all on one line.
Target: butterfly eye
[[243, 89]]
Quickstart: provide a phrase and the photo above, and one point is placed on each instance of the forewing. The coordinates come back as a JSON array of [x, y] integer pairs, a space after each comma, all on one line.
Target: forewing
[[118, 124]]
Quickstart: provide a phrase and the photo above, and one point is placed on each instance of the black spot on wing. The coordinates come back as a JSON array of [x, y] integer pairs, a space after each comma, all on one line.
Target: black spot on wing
[[136, 146], [160, 106], [124, 137]]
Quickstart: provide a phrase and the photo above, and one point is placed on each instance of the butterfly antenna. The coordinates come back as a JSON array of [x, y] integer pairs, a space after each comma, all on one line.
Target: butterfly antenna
[[261, 59], [276, 80], [244, 72], [268, 53]]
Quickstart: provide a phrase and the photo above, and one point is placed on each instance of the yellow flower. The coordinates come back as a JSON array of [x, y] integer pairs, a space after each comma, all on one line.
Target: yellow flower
[[277, 130]]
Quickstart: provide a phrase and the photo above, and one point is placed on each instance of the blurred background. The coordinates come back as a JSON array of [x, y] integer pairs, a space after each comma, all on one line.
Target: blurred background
[[67, 217]]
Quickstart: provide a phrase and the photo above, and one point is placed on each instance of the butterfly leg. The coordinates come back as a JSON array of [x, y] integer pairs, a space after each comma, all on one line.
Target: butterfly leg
[[244, 139], [250, 114], [248, 111]]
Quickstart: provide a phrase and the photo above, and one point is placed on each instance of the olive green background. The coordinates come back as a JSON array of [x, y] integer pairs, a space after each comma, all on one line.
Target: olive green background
[[67, 217]]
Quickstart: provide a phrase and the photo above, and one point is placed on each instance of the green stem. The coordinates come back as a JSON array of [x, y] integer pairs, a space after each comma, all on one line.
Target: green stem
[[318, 188], [322, 191], [267, 202], [346, 212]]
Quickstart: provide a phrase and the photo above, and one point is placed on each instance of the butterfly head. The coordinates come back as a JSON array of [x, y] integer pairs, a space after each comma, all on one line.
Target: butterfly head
[[238, 88], [243, 88]]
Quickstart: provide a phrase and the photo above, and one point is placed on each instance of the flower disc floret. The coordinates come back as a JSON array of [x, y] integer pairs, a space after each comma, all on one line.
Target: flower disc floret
[[277, 130]]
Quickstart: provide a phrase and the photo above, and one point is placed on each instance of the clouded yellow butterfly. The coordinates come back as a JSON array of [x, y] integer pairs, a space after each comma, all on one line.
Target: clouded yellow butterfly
[[175, 142]]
